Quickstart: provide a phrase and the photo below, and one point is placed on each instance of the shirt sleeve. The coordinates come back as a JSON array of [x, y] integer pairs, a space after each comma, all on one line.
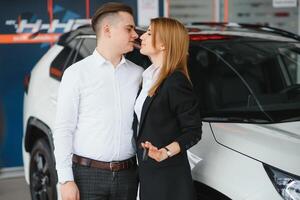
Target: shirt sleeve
[[65, 124], [184, 104]]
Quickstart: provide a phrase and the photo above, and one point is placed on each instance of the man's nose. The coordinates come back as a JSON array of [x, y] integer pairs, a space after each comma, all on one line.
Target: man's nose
[[135, 35]]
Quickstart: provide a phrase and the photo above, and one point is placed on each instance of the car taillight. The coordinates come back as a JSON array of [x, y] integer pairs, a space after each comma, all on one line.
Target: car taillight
[[209, 37], [56, 73], [26, 83]]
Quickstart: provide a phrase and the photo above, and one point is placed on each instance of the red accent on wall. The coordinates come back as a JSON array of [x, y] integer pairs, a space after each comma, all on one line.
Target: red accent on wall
[[281, 14], [50, 10], [87, 8], [26, 38], [213, 10], [226, 11], [168, 8]]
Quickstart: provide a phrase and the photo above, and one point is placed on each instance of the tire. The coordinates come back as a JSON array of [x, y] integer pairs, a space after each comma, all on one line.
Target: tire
[[42, 172], [207, 193]]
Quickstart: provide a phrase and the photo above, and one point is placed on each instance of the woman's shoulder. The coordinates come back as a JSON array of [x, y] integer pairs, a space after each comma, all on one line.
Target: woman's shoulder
[[177, 77]]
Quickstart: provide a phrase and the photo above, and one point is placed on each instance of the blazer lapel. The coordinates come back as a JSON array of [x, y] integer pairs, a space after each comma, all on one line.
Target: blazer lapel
[[135, 119], [145, 108], [139, 91]]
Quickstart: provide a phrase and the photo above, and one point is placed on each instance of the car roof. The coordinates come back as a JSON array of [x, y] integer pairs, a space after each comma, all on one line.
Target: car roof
[[242, 29], [85, 31], [206, 28], [82, 30]]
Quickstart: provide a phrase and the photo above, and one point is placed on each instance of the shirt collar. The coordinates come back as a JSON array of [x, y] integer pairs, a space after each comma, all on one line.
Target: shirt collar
[[123, 60], [99, 57], [151, 72], [102, 60]]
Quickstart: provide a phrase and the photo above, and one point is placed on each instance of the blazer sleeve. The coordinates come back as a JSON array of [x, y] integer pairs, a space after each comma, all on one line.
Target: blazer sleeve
[[184, 104]]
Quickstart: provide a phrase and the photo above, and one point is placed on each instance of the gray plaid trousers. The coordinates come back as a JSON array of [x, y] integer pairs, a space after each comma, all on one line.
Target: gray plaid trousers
[[98, 184]]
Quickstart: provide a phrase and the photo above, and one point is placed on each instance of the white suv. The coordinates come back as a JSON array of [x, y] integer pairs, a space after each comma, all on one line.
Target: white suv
[[247, 80]]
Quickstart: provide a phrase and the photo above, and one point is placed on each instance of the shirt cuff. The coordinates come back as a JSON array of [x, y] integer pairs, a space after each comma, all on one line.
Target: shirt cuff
[[65, 175]]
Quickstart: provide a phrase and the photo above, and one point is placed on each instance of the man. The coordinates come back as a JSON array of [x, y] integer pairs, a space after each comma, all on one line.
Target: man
[[95, 157]]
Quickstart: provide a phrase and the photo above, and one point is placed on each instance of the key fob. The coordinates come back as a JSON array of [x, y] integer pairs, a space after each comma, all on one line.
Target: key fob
[[145, 154]]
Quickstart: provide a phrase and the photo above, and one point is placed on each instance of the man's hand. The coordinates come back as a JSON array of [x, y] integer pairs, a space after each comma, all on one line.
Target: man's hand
[[69, 191]]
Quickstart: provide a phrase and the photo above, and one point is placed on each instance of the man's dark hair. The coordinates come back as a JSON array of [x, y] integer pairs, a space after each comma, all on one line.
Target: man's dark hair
[[109, 8]]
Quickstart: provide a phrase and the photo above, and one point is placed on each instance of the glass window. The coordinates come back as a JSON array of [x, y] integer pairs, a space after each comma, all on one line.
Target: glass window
[[63, 60], [75, 51], [291, 61], [219, 88], [138, 58], [87, 48], [252, 81]]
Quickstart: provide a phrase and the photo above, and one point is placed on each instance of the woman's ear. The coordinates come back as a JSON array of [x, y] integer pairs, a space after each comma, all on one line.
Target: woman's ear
[[162, 47]]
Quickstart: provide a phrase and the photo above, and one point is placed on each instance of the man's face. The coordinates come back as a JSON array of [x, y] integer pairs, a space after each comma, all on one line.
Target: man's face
[[123, 34]]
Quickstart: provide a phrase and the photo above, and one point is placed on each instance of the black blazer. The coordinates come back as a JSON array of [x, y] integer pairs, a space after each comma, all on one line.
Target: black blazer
[[170, 115]]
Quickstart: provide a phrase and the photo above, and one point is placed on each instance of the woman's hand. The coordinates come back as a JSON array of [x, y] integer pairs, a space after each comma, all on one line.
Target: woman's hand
[[155, 153]]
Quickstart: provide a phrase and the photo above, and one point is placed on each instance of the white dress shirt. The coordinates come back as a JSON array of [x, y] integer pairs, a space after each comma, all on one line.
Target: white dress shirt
[[150, 75], [95, 112]]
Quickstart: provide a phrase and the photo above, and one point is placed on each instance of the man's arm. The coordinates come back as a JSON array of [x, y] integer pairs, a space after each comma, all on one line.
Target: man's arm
[[65, 125]]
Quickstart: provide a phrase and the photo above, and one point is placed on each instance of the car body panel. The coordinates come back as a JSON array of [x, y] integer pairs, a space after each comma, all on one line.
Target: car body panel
[[229, 172], [277, 145], [38, 102]]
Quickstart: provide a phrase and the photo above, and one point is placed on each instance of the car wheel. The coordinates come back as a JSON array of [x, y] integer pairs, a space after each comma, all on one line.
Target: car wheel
[[207, 193], [42, 172]]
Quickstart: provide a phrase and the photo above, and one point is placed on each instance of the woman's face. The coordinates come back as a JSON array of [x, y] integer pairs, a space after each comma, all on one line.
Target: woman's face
[[146, 45]]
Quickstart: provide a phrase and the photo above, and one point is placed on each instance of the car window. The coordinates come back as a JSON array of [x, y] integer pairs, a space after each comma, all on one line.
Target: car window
[[75, 51], [72, 58], [137, 58], [218, 87], [251, 81], [87, 47], [291, 60], [64, 59]]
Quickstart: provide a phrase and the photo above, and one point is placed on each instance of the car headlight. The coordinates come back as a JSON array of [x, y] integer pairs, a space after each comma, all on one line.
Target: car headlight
[[287, 185]]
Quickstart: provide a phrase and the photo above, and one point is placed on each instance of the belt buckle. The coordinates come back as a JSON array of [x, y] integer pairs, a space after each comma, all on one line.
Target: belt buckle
[[116, 168]]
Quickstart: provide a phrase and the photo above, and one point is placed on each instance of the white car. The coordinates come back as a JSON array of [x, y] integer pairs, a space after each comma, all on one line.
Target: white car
[[247, 80]]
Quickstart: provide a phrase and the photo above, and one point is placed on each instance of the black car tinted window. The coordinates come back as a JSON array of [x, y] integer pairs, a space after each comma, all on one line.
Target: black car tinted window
[[64, 59], [87, 47], [248, 80], [217, 85], [136, 57], [75, 51]]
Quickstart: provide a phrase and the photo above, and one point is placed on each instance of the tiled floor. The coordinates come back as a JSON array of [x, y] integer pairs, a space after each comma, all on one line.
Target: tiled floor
[[14, 189]]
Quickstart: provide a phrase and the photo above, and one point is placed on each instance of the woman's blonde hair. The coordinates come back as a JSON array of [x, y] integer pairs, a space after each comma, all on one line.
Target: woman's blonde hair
[[174, 36]]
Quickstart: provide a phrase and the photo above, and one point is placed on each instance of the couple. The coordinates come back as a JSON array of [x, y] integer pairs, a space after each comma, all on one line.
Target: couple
[[94, 151]]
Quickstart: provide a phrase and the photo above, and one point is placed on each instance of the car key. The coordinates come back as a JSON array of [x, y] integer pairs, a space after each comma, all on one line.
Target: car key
[[145, 154]]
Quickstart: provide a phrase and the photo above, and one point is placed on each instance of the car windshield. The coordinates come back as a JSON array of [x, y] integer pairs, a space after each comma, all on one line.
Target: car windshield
[[246, 80]]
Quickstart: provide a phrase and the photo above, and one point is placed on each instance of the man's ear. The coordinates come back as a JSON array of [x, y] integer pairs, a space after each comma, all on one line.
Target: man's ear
[[106, 30]]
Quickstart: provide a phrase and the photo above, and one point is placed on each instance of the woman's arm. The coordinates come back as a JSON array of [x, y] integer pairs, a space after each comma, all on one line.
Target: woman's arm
[[184, 104]]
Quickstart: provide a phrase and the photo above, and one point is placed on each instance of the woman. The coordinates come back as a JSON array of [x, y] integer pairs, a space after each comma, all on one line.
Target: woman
[[168, 118]]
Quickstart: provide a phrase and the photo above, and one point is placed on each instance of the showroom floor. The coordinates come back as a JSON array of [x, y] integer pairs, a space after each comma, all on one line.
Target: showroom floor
[[14, 189]]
